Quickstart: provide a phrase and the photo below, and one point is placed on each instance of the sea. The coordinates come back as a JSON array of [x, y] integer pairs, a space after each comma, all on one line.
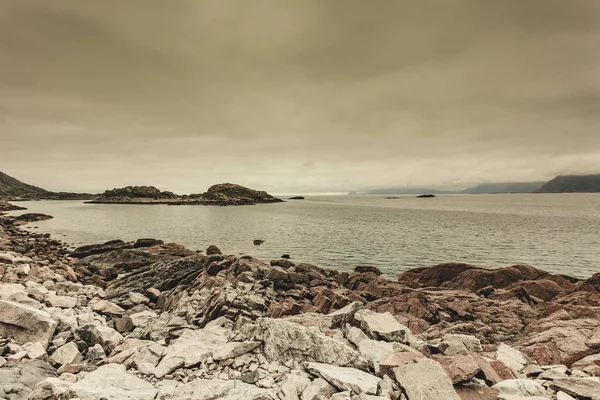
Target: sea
[[559, 233]]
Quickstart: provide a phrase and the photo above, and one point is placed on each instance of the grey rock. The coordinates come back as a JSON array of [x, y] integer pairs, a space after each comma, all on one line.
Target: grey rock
[[18, 380], [453, 345], [112, 382], [67, 354], [520, 387], [319, 389], [285, 340], [202, 389], [583, 388], [383, 326], [345, 379], [512, 358], [25, 324], [425, 379], [233, 350]]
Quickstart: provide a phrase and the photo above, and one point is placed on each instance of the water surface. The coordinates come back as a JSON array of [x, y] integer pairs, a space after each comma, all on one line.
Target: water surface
[[558, 233]]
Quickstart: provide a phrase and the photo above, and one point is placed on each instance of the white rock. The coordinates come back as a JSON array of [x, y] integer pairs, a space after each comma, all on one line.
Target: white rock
[[511, 357], [13, 292], [106, 307], [383, 326], [17, 356], [25, 324], [36, 351], [233, 349], [202, 389], [319, 389], [284, 340], [563, 396], [112, 382], [67, 354], [343, 378], [61, 301], [143, 318], [50, 388], [293, 386], [425, 379], [137, 298], [453, 345], [520, 387], [105, 336], [191, 348], [347, 395]]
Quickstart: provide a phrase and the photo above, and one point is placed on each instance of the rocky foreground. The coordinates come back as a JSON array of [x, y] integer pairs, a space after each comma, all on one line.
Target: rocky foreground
[[149, 320]]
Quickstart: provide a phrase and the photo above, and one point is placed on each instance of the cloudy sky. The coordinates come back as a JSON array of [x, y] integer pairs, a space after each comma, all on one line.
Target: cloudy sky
[[297, 96]]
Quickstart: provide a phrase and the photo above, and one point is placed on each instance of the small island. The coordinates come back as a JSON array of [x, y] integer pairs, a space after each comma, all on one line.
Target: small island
[[224, 194], [296, 198], [426, 196]]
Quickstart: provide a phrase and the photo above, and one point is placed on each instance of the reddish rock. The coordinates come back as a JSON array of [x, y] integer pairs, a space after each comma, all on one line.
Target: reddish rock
[[458, 368], [476, 392], [502, 370]]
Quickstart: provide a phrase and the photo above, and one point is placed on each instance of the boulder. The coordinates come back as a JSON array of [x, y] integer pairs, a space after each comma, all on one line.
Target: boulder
[[50, 388], [383, 326], [86, 251], [520, 387], [233, 350], [103, 335], [25, 324], [425, 379], [203, 389], [18, 380], [511, 357], [345, 379], [147, 242], [191, 348], [66, 354], [318, 389], [285, 340], [581, 388], [61, 301], [453, 345], [112, 382], [459, 368]]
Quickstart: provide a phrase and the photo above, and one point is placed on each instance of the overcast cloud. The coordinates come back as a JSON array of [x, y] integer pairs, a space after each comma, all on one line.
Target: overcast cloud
[[297, 96]]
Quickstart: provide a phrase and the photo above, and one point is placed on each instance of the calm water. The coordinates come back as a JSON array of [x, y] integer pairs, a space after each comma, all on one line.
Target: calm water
[[558, 233]]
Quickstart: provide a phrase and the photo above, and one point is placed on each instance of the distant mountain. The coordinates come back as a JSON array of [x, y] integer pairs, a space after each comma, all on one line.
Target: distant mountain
[[572, 184], [409, 190], [11, 187], [505, 187]]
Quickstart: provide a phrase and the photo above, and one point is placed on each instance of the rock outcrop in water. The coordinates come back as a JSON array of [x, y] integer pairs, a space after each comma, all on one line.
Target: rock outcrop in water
[[224, 194], [148, 320]]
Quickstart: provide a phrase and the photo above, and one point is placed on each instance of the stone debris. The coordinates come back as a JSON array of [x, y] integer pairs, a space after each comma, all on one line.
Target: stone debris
[[157, 321]]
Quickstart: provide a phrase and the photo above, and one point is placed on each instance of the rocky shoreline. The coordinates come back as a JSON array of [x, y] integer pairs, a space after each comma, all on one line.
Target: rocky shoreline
[[149, 320]]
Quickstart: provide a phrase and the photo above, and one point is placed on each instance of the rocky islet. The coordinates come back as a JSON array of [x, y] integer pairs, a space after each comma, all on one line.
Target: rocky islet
[[149, 320]]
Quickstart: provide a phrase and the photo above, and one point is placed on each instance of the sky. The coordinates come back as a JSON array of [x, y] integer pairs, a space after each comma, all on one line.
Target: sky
[[297, 96]]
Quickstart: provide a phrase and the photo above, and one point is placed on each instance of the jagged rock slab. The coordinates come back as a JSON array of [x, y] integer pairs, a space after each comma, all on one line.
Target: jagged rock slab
[[18, 380], [202, 389], [350, 379], [383, 326], [112, 382], [25, 324], [425, 379], [585, 388], [284, 340], [191, 348], [520, 387], [318, 389]]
